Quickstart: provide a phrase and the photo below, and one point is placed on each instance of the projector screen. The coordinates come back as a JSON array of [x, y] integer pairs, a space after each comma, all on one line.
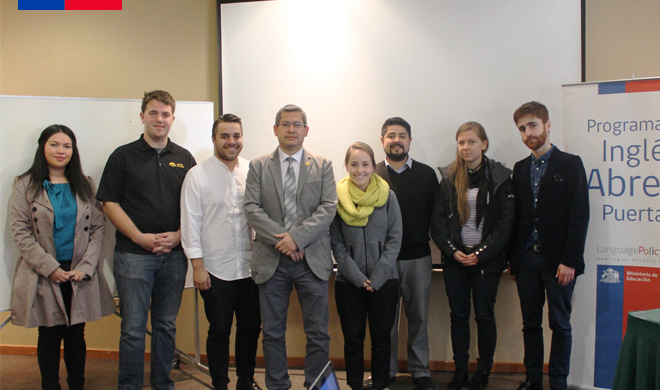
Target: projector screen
[[351, 64]]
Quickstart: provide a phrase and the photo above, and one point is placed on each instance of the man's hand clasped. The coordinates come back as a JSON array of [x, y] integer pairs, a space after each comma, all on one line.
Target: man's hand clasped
[[289, 247], [159, 243]]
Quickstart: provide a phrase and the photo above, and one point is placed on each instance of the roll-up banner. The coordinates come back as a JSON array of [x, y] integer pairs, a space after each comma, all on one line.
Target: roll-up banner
[[615, 128]]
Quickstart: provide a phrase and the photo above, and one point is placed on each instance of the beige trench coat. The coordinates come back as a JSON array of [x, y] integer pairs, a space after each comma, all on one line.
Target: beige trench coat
[[36, 300]]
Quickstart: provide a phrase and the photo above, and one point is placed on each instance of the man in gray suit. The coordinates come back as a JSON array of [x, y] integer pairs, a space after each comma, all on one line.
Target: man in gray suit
[[290, 200]]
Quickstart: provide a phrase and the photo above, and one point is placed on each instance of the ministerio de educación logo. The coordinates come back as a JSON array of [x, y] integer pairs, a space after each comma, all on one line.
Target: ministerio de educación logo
[[610, 276]]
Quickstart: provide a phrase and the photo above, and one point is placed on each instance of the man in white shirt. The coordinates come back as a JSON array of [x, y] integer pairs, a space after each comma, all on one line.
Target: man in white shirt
[[218, 241]]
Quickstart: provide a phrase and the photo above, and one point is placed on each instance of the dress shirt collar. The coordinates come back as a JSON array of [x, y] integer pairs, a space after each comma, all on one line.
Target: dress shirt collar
[[217, 160], [406, 165], [297, 156], [543, 159]]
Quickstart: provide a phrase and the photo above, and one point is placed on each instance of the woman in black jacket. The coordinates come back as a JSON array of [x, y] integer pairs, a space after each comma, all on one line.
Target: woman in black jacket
[[471, 224]]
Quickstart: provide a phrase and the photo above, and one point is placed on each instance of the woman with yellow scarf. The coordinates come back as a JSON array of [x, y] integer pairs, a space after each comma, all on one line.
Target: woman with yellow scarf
[[366, 238]]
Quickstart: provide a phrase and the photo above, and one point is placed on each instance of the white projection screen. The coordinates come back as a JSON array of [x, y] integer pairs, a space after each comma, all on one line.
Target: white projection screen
[[351, 64]]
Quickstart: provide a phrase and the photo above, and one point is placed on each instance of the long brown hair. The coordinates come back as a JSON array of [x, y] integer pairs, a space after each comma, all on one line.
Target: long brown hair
[[459, 174]]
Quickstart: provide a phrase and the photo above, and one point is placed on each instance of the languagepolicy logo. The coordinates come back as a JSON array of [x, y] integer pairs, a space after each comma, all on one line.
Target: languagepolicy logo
[[69, 5], [629, 255]]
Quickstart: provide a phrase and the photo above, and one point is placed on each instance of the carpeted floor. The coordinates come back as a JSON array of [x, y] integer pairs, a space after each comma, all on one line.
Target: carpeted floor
[[22, 373]]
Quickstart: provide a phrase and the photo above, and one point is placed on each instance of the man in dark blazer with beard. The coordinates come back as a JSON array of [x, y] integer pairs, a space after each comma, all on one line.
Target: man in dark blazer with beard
[[547, 243]]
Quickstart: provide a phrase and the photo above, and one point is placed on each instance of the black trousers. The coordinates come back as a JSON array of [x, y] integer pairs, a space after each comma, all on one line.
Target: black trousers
[[466, 286], [354, 306], [221, 301], [75, 348]]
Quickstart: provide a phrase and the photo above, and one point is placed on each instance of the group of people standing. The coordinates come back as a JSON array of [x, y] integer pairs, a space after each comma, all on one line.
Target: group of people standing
[[255, 230]]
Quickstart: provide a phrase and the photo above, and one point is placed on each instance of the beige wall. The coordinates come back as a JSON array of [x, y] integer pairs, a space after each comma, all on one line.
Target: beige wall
[[150, 44], [623, 38], [171, 45]]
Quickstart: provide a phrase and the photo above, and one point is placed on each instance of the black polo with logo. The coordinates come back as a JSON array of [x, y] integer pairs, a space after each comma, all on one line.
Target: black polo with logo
[[147, 185]]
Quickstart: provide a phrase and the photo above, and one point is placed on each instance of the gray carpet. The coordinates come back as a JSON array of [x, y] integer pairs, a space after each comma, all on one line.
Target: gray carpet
[[22, 373]]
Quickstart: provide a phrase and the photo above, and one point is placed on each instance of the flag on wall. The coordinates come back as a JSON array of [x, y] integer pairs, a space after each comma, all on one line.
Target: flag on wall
[[69, 5]]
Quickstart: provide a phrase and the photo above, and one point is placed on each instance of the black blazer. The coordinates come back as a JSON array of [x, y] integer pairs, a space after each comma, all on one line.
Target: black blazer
[[561, 215]]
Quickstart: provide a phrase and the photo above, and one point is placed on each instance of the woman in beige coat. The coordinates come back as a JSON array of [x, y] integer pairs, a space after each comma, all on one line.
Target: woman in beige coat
[[57, 226]]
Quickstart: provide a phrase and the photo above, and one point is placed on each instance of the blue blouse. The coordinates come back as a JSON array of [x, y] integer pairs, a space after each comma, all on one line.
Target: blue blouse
[[64, 225]]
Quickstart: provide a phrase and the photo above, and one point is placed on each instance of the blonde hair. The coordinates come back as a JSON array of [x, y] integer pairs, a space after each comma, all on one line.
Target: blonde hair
[[459, 174]]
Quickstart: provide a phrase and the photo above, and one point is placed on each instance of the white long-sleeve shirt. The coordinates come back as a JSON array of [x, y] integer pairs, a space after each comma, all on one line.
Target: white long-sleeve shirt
[[213, 224]]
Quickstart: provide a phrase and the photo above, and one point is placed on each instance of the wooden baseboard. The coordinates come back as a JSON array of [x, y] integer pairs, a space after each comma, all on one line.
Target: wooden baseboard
[[293, 362], [91, 353], [18, 350], [501, 367]]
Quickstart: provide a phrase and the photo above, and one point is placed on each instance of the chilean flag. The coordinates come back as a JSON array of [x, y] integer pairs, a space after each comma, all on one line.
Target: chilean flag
[[69, 5]]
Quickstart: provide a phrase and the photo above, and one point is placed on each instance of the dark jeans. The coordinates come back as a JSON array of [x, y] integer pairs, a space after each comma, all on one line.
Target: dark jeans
[[534, 282], [221, 301], [464, 285], [354, 306], [144, 282], [75, 349]]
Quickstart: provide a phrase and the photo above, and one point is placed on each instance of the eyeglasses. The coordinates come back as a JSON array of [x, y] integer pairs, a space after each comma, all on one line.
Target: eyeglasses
[[296, 125]]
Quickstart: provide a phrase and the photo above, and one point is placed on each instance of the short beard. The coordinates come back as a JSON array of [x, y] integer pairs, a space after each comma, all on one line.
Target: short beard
[[397, 157], [539, 141]]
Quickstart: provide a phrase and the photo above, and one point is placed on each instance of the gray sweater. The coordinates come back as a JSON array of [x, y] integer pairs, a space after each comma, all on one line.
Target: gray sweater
[[368, 252]]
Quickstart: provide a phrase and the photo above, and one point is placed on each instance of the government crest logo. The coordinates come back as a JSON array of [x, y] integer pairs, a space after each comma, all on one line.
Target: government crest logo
[[610, 276]]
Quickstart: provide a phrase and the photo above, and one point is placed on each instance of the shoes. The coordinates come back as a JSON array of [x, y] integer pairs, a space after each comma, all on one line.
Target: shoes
[[425, 383], [460, 377], [247, 384], [530, 386], [369, 384], [479, 381]]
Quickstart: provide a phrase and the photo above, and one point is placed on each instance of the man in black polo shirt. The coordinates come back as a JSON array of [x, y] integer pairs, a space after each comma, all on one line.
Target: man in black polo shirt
[[415, 185], [140, 190]]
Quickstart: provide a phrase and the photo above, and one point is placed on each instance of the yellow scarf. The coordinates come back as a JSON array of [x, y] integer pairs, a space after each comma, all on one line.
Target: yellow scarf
[[355, 206]]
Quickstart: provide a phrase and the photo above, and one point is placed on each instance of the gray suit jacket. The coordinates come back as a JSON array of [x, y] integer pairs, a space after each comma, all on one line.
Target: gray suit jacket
[[264, 210]]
